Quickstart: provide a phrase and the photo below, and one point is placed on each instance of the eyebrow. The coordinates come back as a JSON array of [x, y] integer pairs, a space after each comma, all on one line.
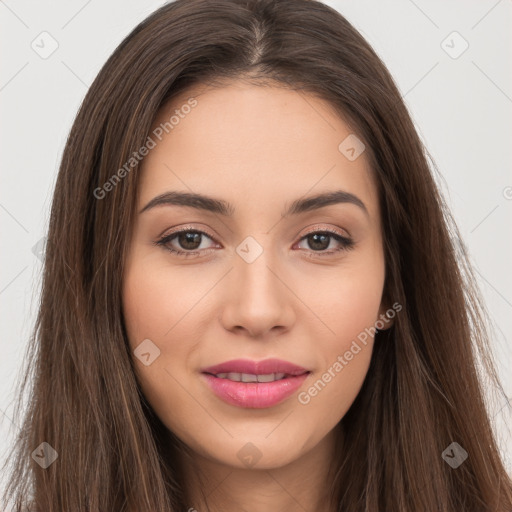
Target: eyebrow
[[218, 206]]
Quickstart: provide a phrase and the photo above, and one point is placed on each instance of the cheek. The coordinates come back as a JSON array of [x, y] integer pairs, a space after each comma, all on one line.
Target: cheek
[[156, 301], [349, 309], [347, 299], [332, 389], [162, 306]]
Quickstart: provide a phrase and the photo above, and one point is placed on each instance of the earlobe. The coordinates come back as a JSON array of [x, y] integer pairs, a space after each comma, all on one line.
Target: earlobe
[[387, 314]]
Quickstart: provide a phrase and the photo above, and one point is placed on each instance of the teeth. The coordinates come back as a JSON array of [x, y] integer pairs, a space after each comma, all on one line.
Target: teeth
[[271, 377], [249, 377]]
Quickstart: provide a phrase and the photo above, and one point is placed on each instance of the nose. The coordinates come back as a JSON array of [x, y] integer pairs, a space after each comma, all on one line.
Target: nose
[[258, 300]]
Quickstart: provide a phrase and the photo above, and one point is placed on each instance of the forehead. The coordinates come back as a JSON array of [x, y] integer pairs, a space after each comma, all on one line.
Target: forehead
[[246, 142]]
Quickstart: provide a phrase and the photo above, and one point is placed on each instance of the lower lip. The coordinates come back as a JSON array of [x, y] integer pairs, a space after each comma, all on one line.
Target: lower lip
[[256, 395]]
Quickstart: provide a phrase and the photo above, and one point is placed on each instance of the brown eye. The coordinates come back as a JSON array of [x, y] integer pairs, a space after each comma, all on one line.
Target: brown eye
[[321, 241], [186, 242], [318, 241], [189, 240]]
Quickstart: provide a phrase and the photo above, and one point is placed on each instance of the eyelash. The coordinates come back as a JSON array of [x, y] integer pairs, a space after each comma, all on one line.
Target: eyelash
[[346, 243]]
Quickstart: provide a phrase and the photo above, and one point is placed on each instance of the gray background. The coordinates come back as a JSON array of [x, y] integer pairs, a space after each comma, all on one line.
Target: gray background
[[461, 105]]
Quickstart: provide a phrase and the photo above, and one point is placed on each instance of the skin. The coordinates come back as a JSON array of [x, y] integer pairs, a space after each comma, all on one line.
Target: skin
[[258, 148]]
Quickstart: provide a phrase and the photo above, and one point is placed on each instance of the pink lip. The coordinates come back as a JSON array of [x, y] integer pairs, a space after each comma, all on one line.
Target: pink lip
[[256, 367], [256, 395]]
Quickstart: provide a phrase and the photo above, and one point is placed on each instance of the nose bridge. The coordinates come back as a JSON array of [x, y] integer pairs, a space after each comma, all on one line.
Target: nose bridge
[[258, 300], [253, 274]]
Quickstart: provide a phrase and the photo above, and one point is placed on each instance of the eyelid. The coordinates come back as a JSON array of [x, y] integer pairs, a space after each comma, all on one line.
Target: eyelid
[[189, 228], [319, 227]]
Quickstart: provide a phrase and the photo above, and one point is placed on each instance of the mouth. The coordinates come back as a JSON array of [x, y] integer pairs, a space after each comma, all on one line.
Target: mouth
[[257, 385], [251, 377], [250, 369]]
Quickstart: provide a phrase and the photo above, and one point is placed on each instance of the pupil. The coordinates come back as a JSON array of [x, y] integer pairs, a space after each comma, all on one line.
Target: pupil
[[320, 241], [190, 240]]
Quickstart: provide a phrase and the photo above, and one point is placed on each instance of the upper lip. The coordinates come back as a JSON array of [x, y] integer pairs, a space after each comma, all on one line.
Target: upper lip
[[264, 367]]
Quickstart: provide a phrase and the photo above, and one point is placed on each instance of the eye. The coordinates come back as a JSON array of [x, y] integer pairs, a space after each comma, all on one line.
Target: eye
[[188, 241], [319, 241]]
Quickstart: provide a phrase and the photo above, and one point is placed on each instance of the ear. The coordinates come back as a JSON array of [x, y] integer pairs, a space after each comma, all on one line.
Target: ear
[[387, 314]]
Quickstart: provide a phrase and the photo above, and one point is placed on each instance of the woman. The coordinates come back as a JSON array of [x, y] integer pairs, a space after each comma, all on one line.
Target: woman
[[253, 297]]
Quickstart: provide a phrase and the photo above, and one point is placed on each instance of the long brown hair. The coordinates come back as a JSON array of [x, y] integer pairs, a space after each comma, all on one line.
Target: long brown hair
[[422, 391]]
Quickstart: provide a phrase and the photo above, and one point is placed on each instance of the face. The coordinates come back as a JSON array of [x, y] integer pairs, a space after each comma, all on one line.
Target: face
[[257, 272]]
